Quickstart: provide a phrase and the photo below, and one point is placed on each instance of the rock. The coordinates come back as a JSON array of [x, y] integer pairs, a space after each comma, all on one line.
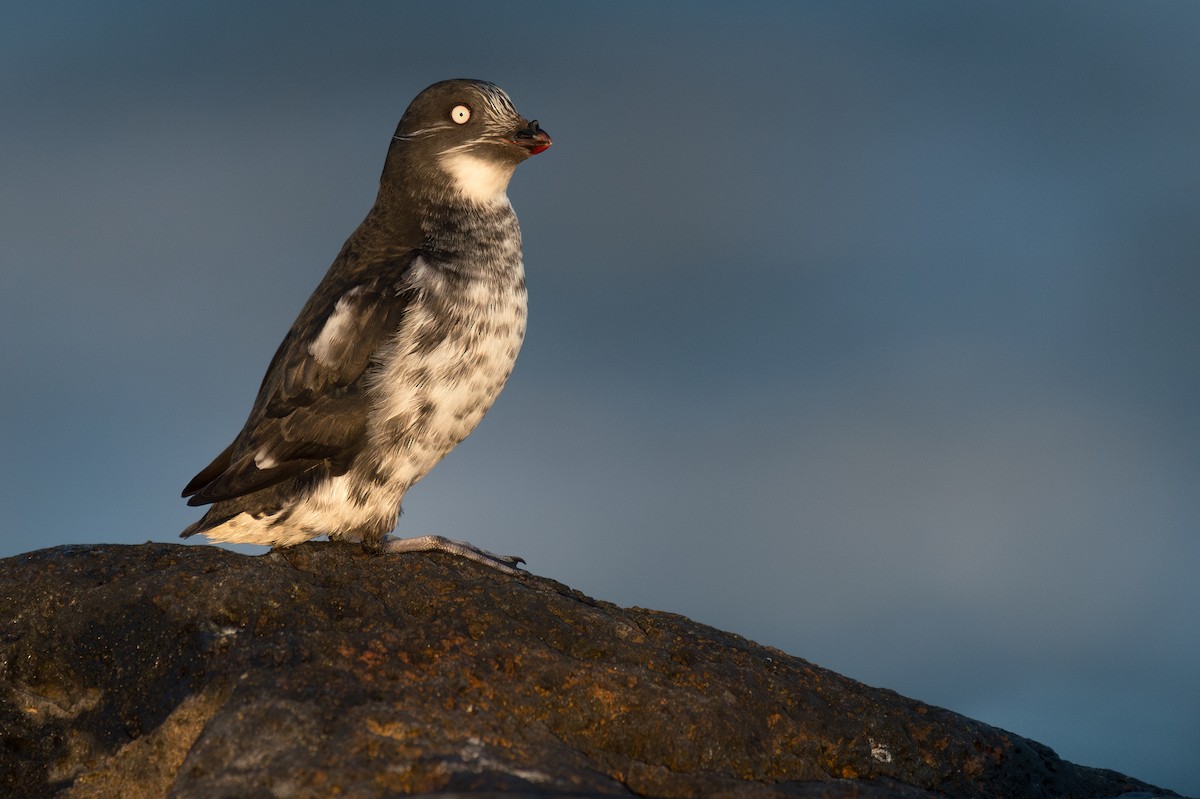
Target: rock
[[156, 670]]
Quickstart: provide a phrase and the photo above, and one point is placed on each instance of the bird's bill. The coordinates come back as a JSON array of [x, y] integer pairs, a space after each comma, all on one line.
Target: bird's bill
[[532, 138]]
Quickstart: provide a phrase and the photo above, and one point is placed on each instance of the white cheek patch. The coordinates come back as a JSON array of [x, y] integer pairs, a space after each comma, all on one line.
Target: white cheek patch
[[479, 180], [329, 347]]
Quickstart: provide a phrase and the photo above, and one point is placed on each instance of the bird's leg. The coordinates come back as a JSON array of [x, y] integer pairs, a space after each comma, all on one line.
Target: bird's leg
[[436, 543]]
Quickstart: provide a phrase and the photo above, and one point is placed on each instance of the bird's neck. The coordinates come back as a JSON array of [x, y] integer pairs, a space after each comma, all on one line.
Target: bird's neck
[[473, 239], [466, 237]]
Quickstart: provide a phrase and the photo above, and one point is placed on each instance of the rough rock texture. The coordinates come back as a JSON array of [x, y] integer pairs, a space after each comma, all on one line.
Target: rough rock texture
[[156, 670]]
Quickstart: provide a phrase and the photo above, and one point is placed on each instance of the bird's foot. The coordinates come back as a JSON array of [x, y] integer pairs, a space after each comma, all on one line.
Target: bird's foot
[[509, 564]]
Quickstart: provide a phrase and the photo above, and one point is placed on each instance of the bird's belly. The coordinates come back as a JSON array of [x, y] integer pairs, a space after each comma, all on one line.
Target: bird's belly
[[437, 381]]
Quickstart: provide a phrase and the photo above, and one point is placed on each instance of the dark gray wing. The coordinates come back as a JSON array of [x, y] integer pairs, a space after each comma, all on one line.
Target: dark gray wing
[[312, 408]]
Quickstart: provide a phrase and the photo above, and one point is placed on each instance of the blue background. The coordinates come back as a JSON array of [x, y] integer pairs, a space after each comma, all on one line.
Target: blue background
[[870, 331]]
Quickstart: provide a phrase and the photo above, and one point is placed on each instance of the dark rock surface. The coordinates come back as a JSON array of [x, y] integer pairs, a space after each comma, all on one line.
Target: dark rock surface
[[156, 670]]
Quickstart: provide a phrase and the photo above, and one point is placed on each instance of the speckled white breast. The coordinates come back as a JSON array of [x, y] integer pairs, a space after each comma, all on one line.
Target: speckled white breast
[[426, 400], [430, 399]]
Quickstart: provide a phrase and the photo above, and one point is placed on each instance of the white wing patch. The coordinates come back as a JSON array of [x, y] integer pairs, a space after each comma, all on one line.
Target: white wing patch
[[477, 179], [264, 460], [329, 346]]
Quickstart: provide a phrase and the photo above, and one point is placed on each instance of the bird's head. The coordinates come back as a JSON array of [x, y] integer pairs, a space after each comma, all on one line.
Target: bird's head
[[468, 133]]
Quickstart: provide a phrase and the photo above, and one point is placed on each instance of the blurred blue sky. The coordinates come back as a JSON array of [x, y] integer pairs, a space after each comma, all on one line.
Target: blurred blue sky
[[870, 331]]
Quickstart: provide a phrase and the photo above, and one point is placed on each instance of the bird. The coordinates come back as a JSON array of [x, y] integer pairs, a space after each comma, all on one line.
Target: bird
[[401, 349]]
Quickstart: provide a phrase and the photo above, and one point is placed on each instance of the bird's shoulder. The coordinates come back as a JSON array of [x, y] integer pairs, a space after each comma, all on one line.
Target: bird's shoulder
[[343, 323]]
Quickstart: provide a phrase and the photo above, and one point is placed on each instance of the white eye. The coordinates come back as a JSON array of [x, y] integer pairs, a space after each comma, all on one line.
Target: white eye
[[460, 114]]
